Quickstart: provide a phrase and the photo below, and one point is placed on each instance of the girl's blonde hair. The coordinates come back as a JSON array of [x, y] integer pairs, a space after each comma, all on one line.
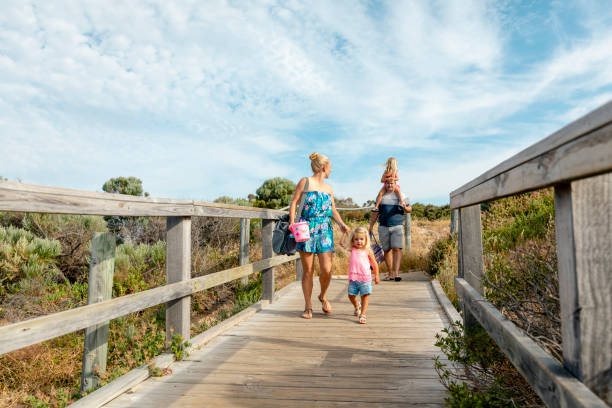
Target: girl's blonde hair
[[359, 230], [391, 165], [317, 162]]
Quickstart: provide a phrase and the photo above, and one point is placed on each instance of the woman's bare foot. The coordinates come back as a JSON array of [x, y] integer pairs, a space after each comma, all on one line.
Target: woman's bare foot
[[325, 306], [307, 314]]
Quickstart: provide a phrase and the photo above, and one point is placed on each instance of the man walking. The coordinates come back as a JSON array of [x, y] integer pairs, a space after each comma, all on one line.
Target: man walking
[[391, 229]]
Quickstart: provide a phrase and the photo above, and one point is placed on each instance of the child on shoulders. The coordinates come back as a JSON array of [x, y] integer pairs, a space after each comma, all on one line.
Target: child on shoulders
[[390, 174]]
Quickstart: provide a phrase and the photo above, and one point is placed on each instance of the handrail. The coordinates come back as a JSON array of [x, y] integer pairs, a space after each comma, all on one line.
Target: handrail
[[577, 162], [33, 331], [42, 199]]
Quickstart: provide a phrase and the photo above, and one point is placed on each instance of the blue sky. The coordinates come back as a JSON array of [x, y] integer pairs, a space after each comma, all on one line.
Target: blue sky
[[203, 99]]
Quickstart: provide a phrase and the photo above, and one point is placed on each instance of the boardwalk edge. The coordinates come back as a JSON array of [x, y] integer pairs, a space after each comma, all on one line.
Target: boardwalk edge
[[134, 377], [450, 311]]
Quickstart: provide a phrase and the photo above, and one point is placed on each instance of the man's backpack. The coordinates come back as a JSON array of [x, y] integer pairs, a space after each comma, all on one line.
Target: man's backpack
[[283, 242]]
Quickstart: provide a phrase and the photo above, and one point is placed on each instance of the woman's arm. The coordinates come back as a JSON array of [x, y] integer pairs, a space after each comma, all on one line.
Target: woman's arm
[[374, 264], [296, 198], [336, 216]]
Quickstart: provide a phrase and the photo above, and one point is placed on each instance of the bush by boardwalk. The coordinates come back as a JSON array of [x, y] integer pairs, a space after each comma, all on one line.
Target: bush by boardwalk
[[521, 281]]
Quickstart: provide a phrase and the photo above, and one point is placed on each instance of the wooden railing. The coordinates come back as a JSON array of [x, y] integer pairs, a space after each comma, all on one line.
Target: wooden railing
[[179, 283], [576, 161]]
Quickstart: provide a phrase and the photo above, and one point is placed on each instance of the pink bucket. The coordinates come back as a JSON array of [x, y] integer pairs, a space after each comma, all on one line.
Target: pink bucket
[[301, 231]]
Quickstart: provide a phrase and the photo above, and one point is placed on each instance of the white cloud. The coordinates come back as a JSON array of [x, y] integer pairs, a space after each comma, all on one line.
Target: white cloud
[[196, 91]]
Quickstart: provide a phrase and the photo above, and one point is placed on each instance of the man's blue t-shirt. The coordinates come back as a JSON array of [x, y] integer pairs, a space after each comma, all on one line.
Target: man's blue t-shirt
[[391, 211]]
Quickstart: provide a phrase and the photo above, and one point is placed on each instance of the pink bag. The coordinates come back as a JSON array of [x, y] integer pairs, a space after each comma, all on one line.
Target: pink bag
[[301, 231]]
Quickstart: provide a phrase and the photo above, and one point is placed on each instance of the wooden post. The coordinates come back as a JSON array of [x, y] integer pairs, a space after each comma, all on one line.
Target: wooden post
[[407, 236], [471, 266], [178, 268], [100, 287], [267, 275], [454, 224], [299, 270], [583, 214], [243, 255]]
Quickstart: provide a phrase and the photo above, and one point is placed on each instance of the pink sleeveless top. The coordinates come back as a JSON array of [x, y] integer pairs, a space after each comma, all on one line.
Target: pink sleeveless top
[[359, 266]]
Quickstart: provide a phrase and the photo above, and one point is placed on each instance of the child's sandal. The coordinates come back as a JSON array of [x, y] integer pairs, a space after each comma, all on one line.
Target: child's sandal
[[362, 319]]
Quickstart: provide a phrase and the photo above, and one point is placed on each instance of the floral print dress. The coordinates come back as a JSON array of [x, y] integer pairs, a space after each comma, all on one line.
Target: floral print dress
[[317, 213]]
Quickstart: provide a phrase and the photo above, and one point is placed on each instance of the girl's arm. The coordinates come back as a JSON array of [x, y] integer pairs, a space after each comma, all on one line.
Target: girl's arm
[[374, 264], [296, 198], [336, 216], [383, 178]]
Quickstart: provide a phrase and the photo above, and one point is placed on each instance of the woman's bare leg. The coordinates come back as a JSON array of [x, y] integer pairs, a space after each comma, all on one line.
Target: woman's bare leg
[[325, 266], [308, 267]]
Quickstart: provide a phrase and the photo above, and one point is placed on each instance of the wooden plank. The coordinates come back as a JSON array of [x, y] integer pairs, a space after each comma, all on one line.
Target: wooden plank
[[243, 254], [407, 232], [471, 265], [178, 269], [585, 156], [590, 122], [33, 331], [42, 199], [266, 252], [449, 309], [568, 285], [454, 224], [99, 288], [299, 270], [538, 367], [592, 233]]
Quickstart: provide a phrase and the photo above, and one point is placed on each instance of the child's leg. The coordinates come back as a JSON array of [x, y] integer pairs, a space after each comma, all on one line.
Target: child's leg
[[353, 299], [398, 193], [364, 304]]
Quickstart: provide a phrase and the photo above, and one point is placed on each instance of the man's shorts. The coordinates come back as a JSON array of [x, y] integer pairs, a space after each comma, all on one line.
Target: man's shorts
[[391, 237], [355, 288]]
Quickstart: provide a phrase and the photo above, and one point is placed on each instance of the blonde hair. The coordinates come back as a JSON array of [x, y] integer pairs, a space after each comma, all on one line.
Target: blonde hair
[[359, 230], [317, 162], [391, 165]]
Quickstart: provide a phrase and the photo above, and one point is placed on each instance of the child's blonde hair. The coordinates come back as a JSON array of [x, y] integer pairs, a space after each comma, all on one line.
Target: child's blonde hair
[[317, 162], [391, 165], [359, 230]]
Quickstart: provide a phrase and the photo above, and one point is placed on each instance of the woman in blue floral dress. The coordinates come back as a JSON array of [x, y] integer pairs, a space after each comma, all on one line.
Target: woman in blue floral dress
[[319, 209]]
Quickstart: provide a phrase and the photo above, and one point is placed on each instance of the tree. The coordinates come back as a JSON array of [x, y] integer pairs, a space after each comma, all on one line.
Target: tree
[[275, 193], [346, 203], [125, 228], [124, 185]]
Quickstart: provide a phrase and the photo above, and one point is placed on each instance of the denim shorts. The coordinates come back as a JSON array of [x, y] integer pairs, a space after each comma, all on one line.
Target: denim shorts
[[356, 288]]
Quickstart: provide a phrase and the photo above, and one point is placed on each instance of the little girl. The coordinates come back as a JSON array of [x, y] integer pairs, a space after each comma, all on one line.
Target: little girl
[[360, 276], [390, 174]]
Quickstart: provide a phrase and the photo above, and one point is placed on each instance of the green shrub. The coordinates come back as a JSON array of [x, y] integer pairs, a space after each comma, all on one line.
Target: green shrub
[[439, 252], [22, 255], [139, 267], [479, 375]]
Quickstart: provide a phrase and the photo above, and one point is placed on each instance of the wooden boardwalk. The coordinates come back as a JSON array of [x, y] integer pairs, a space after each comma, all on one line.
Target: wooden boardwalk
[[276, 359]]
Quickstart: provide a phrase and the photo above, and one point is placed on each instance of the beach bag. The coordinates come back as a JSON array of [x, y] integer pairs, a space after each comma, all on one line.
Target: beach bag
[[283, 242], [379, 254]]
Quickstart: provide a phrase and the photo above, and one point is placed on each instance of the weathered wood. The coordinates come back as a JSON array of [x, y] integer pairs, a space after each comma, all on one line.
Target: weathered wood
[[266, 252], [243, 254], [584, 249], [568, 285], [454, 224], [592, 121], [42, 199], [299, 270], [99, 288], [178, 268], [536, 365], [250, 363], [450, 311], [407, 232], [470, 252], [585, 156], [33, 331]]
